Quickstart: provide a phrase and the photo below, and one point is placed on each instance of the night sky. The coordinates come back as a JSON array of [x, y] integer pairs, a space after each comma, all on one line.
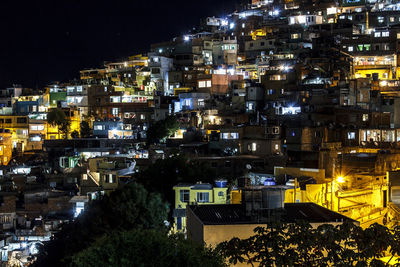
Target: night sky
[[45, 41]]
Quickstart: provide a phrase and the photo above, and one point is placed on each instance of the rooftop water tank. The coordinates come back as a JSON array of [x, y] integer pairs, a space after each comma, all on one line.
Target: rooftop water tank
[[221, 183]]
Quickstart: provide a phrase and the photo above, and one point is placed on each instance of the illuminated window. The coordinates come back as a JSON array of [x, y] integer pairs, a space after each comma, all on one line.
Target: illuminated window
[[391, 19], [381, 19], [350, 49], [276, 146], [365, 117], [110, 178], [294, 36], [98, 127], [377, 34], [385, 34], [203, 197], [351, 135], [115, 111], [252, 147]]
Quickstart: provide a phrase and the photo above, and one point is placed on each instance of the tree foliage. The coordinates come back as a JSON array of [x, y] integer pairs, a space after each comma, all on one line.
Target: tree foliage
[[164, 174], [146, 248], [85, 129], [162, 129], [57, 118], [299, 244], [130, 207], [75, 134]]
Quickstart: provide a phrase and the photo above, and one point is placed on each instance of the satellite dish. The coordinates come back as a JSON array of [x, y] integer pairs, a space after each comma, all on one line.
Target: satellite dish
[[248, 166]]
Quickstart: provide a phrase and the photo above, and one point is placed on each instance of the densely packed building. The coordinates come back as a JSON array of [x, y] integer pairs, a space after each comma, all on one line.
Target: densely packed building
[[306, 92]]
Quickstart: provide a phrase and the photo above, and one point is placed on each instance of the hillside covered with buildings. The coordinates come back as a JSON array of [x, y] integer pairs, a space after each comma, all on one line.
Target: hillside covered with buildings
[[290, 105]]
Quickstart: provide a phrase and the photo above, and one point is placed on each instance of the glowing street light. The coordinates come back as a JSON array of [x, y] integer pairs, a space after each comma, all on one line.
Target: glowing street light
[[340, 179]]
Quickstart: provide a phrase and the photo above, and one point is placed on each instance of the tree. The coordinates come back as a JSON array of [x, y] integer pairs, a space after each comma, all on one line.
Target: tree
[[162, 129], [127, 208], [75, 134], [85, 129], [146, 248], [299, 244], [164, 174], [57, 118]]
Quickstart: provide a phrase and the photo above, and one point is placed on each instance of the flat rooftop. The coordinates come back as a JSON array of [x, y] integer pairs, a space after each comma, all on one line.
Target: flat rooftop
[[292, 212]]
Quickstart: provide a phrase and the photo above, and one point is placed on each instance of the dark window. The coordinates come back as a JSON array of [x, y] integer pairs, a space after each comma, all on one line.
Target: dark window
[[184, 195], [251, 44], [262, 43], [155, 71], [21, 120], [8, 120]]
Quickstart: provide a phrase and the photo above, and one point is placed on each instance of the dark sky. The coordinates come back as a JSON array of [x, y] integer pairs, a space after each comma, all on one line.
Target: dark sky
[[44, 41]]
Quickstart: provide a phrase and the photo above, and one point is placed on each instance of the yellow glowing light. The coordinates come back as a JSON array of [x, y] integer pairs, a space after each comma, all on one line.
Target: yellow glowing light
[[340, 179]]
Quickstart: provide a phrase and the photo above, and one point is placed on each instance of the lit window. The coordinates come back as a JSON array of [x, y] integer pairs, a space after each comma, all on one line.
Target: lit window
[[98, 127], [365, 117], [105, 89], [350, 49], [385, 34], [252, 147], [377, 34], [276, 146], [234, 135], [351, 135], [203, 197], [381, 19], [391, 19], [115, 111], [294, 36]]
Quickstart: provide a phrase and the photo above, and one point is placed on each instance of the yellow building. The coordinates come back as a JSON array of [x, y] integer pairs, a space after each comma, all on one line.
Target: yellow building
[[19, 128], [366, 205], [5, 146], [199, 194], [73, 114]]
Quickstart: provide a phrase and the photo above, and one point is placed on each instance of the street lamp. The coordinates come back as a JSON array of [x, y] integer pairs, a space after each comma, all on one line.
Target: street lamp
[[339, 180]]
